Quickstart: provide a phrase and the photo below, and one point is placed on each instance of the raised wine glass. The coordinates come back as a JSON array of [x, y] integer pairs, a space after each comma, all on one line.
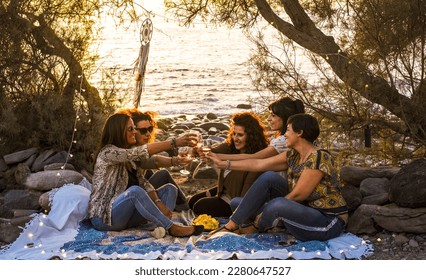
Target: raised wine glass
[[185, 152]]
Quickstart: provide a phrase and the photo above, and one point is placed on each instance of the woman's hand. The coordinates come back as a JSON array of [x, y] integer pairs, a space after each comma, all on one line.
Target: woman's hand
[[187, 139], [183, 160], [215, 160]]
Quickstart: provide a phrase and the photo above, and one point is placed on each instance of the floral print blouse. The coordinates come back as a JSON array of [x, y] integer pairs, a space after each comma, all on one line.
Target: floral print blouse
[[110, 177], [327, 196]]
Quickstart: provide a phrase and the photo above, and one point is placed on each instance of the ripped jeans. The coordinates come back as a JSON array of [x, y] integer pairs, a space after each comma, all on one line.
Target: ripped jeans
[[134, 207]]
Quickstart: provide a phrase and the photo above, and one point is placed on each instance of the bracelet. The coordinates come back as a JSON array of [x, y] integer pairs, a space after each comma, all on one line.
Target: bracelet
[[228, 164], [157, 200], [173, 161], [174, 147]]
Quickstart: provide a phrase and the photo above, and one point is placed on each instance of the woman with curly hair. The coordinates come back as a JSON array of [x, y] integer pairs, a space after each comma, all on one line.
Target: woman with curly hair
[[247, 135], [279, 111]]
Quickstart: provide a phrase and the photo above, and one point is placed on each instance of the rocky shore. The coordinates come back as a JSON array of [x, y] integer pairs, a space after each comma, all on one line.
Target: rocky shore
[[387, 204]]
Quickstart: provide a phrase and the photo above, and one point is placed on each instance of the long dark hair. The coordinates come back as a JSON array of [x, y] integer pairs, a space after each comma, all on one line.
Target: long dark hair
[[138, 116], [257, 138], [284, 108], [114, 131]]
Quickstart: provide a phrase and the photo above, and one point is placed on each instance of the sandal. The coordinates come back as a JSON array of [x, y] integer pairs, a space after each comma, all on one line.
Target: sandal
[[249, 229], [223, 229]]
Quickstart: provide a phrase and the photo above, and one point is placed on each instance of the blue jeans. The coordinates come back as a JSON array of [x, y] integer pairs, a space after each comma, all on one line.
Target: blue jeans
[[266, 196], [267, 186], [162, 177], [134, 207], [303, 222]]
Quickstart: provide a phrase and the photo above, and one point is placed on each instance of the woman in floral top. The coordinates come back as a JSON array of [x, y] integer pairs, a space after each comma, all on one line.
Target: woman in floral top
[[117, 203], [311, 206]]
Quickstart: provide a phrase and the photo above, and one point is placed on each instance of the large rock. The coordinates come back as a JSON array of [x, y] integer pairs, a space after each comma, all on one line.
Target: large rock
[[48, 157], [47, 180], [352, 196], [22, 199], [354, 175], [3, 165], [362, 220], [408, 187], [398, 219], [373, 186], [22, 171], [218, 125], [10, 229], [20, 156]]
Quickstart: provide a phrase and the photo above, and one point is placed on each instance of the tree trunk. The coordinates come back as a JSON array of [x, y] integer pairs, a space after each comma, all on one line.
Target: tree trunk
[[376, 89]]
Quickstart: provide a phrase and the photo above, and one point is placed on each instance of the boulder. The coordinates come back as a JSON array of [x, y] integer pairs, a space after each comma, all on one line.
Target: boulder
[[399, 219], [47, 180], [352, 196], [3, 165], [48, 158], [218, 125], [372, 186], [22, 171], [10, 229], [354, 175], [22, 199], [408, 187], [376, 199], [20, 156], [362, 220]]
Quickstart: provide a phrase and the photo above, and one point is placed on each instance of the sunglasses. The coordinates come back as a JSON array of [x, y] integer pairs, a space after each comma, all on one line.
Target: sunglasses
[[144, 130], [131, 128]]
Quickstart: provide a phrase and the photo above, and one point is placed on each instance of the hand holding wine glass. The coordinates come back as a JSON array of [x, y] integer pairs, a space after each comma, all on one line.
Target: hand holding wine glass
[[184, 159], [206, 149]]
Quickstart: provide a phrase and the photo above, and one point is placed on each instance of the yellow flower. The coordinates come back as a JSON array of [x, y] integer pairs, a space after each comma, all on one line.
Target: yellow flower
[[207, 221]]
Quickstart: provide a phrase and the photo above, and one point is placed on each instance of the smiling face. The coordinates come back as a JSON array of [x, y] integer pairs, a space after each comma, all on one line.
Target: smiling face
[[275, 122], [130, 132], [142, 139], [239, 137], [291, 137]]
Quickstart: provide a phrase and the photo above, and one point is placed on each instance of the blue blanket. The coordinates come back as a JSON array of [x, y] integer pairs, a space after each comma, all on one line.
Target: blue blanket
[[65, 234]]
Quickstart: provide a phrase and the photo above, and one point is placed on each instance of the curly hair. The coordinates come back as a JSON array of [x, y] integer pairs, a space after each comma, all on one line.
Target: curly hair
[[257, 136]]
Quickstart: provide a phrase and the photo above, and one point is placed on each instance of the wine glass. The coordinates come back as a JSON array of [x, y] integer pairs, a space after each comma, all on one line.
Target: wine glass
[[185, 152], [199, 137], [205, 149]]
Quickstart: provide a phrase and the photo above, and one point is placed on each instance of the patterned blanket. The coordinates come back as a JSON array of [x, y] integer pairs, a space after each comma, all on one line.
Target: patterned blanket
[[65, 234]]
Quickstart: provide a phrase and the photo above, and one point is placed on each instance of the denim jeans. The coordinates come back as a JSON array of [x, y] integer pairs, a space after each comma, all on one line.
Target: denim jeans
[[267, 186], [162, 177], [134, 207], [303, 222]]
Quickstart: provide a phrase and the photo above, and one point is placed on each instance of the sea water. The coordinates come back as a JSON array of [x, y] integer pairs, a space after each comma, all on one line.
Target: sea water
[[190, 70]]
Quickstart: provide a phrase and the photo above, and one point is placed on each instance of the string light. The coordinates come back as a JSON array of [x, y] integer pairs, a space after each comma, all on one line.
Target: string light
[[77, 118]]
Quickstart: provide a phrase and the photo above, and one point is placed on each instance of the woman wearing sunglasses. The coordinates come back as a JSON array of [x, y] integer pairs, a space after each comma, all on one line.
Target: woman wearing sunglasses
[[145, 133], [121, 196]]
